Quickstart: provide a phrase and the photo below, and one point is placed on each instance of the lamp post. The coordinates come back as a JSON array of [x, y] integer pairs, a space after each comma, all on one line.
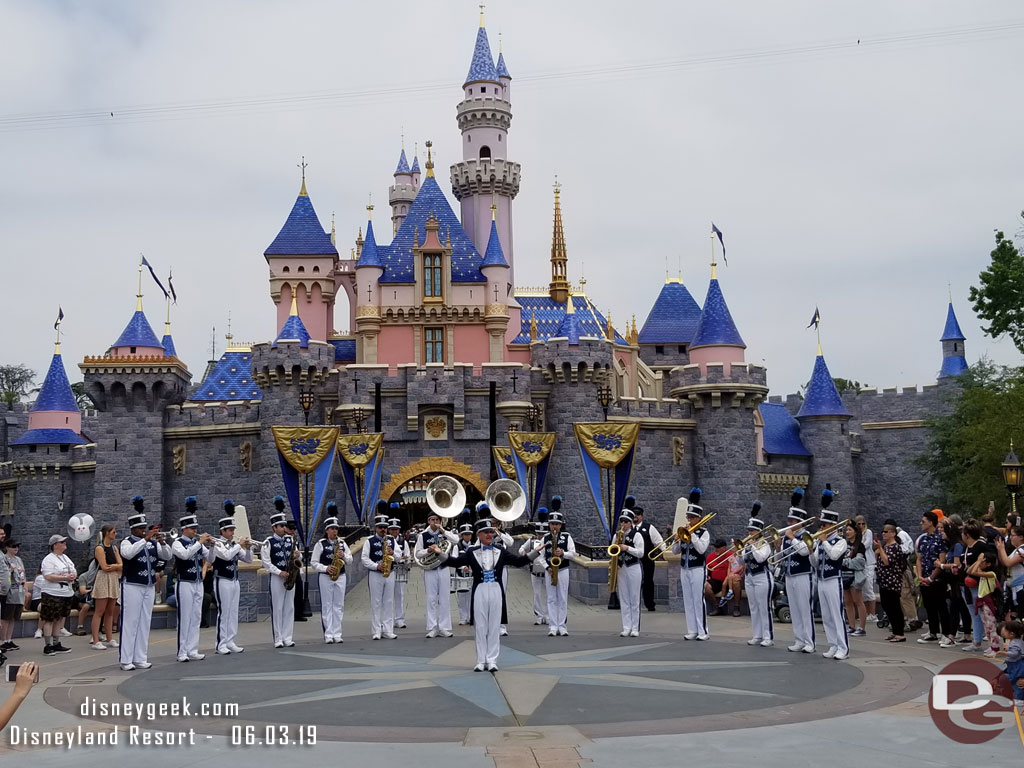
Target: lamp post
[[307, 399], [604, 397], [1012, 478]]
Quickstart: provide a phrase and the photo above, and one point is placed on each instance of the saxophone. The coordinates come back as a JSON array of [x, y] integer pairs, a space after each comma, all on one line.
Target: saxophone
[[338, 563], [387, 562], [555, 562], [613, 565], [294, 567]]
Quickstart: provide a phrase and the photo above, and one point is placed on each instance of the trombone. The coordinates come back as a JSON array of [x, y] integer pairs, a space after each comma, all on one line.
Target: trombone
[[683, 535], [736, 549]]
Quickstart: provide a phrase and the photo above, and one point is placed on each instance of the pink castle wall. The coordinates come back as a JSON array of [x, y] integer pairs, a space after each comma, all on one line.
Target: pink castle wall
[[728, 355], [471, 345], [139, 352], [395, 346], [55, 420], [314, 313]]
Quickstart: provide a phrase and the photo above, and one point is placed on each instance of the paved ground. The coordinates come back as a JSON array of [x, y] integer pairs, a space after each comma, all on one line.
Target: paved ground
[[592, 697]]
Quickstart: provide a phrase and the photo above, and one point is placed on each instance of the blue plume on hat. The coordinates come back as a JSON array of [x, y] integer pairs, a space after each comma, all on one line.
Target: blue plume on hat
[[797, 497], [756, 509], [191, 504], [827, 496], [694, 497], [542, 514], [229, 507], [332, 505], [630, 502], [483, 509], [279, 503], [137, 502], [556, 503]]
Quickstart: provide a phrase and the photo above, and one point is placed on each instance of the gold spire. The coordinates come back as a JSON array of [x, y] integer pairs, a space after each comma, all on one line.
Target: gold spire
[[533, 326], [499, 43], [302, 167], [369, 205], [333, 231], [138, 296], [294, 311], [430, 160], [494, 210], [481, 14], [609, 329], [559, 287], [570, 307]]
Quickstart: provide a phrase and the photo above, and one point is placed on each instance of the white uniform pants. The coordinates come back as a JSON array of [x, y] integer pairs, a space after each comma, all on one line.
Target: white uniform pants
[[504, 586], [691, 583], [558, 599], [464, 599], [400, 601], [487, 622], [801, 608], [628, 589], [382, 603], [332, 605], [189, 596], [227, 591], [136, 617], [540, 600], [759, 600], [437, 585], [282, 610], [830, 596]]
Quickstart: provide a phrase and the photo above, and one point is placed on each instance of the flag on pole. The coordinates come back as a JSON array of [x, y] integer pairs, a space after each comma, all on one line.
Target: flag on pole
[[718, 232], [816, 319], [155, 278], [174, 296], [60, 317]]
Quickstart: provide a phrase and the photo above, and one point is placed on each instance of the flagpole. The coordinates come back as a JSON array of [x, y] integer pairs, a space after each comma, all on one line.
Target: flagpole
[[56, 349], [817, 329], [138, 296], [714, 271]]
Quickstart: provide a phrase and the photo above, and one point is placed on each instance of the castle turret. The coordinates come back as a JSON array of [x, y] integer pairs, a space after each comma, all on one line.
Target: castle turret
[[716, 339], [954, 361], [55, 418], [823, 430], [670, 326], [403, 191], [302, 258], [485, 173], [369, 270], [496, 319]]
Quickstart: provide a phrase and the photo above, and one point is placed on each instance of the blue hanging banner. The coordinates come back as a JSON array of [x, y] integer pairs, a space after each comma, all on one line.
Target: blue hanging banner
[[306, 451], [531, 455], [606, 452], [361, 456]]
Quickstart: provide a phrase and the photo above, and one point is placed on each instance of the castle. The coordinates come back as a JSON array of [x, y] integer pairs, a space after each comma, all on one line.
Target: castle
[[444, 355]]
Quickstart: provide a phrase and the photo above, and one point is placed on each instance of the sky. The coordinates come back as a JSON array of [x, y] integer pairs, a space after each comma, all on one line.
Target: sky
[[866, 179]]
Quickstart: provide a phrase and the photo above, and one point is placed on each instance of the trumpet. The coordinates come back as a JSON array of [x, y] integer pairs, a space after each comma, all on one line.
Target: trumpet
[[683, 535]]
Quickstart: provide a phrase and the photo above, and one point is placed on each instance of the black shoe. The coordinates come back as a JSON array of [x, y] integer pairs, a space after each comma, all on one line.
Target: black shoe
[[301, 618], [8, 646], [204, 626], [652, 609], [13, 646], [58, 648], [49, 650]]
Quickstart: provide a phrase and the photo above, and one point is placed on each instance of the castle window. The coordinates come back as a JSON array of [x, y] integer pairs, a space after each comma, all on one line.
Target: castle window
[[131, 350], [954, 346], [499, 137], [302, 269], [471, 91], [316, 269], [432, 277], [485, 151], [433, 345], [65, 448], [659, 349], [287, 269], [681, 349], [8, 502]]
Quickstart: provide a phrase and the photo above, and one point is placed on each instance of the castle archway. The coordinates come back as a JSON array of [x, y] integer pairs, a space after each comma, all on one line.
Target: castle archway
[[407, 486]]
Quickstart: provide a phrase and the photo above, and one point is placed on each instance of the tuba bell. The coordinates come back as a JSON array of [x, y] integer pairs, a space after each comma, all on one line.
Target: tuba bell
[[446, 496], [506, 499]]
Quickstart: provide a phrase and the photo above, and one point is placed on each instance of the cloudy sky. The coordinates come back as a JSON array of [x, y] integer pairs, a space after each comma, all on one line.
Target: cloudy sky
[[861, 178]]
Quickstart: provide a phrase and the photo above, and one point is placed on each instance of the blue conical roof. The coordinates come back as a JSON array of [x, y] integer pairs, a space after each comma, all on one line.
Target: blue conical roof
[[415, 165], [369, 257], [674, 317], [502, 69], [482, 66], [570, 325], [954, 365], [168, 344], [494, 257], [952, 330], [302, 234], [293, 330], [822, 398], [716, 327], [56, 394], [403, 164], [138, 333]]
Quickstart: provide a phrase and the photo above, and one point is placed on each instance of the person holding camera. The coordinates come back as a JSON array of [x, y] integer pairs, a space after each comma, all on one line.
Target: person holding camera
[[22, 685]]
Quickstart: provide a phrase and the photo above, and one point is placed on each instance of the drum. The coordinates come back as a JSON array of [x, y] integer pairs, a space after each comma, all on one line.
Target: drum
[[462, 580], [401, 573]]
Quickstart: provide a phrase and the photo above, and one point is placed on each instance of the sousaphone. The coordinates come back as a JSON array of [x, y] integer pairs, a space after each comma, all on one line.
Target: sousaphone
[[507, 500], [445, 497]]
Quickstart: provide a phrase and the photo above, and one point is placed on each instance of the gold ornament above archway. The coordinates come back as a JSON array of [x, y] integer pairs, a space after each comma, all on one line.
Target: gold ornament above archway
[[442, 465]]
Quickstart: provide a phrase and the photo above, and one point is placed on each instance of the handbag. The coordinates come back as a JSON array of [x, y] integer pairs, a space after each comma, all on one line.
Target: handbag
[[970, 582]]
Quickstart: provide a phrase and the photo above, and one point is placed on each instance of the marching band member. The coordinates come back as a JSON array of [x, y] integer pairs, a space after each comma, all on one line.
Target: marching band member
[[224, 556], [557, 543], [758, 582], [277, 556], [630, 575], [382, 590], [828, 557], [652, 538], [139, 553], [464, 599], [692, 571], [403, 556], [332, 592], [190, 551], [502, 541], [436, 581], [537, 575], [798, 578], [488, 598]]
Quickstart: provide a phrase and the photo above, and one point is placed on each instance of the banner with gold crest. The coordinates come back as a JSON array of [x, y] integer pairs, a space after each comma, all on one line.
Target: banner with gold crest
[[362, 458], [607, 446], [503, 461], [306, 451], [531, 455]]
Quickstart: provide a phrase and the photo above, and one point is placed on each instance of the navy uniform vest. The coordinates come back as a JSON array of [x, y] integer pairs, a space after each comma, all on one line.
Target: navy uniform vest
[[563, 544], [226, 569], [753, 567], [192, 568], [431, 539], [626, 559], [828, 569], [140, 569], [377, 547], [644, 529], [327, 551], [498, 542], [280, 551], [690, 557], [797, 564]]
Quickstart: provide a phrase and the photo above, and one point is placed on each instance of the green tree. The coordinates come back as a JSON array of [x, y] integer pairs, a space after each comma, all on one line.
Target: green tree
[[999, 299], [81, 396], [967, 444], [15, 382], [847, 385]]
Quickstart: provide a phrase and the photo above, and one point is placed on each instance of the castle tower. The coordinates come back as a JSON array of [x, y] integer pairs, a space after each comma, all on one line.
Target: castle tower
[[954, 361], [559, 286], [132, 385], [669, 328], [823, 429], [496, 269], [302, 258], [403, 191], [485, 173], [723, 392], [369, 270], [167, 342], [415, 171]]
